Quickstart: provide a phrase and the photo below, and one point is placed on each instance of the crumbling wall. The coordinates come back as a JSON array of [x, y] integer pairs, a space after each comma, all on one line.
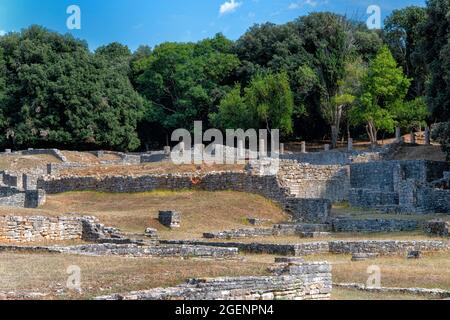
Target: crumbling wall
[[307, 181], [39, 229], [399, 186], [305, 281], [308, 210]]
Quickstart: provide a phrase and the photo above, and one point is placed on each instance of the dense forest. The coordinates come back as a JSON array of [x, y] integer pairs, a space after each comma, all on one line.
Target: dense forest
[[320, 76]]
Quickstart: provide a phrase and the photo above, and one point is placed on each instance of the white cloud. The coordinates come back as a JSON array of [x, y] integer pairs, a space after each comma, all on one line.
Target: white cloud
[[2, 32], [229, 6], [300, 4]]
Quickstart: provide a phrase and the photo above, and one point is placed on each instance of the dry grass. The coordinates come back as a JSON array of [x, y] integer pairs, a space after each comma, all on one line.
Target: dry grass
[[346, 294], [148, 168], [46, 273], [417, 235], [431, 271], [87, 158], [344, 209], [201, 211], [25, 164]]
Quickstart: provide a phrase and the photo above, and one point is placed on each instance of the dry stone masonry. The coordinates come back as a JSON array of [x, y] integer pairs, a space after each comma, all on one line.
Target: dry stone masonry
[[399, 186], [292, 281], [438, 228], [39, 229], [170, 219], [374, 225]]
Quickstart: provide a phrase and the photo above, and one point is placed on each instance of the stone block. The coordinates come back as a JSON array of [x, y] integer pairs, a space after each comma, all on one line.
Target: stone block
[[170, 219]]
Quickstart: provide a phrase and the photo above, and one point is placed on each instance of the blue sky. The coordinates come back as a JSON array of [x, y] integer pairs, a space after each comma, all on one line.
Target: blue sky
[[135, 22]]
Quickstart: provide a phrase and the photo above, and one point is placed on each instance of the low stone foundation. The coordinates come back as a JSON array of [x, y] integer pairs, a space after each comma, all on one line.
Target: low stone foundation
[[373, 225], [132, 250], [386, 247], [303, 281], [438, 228], [381, 247], [297, 249], [39, 229]]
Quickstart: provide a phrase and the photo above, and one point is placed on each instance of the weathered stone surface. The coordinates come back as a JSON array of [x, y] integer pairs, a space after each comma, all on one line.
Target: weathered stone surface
[[151, 233], [240, 233], [307, 281], [399, 186], [170, 219], [364, 256], [297, 249], [373, 225], [386, 247], [132, 250], [414, 254], [257, 221], [438, 227], [37, 228]]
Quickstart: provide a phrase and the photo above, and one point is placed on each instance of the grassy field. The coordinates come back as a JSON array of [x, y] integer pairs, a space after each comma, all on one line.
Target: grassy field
[[346, 294], [344, 210], [201, 211], [46, 273], [25, 164], [431, 271]]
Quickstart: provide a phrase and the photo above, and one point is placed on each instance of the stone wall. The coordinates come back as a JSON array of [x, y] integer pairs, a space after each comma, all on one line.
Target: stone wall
[[315, 181], [34, 229], [382, 247], [308, 210], [13, 197], [305, 281], [438, 228], [39, 229], [53, 152], [334, 157], [386, 247], [296, 249], [399, 186], [374, 225]]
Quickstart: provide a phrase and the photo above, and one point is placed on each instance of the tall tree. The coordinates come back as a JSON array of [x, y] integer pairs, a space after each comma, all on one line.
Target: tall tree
[[436, 50], [60, 94], [403, 35], [384, 89], [184, 82], [267, 103]]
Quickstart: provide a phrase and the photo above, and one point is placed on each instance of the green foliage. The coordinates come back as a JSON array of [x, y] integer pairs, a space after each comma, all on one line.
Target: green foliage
[[60, 94], [267, 103], [436, 50], [384, 89], [442, 134], [184, 82], [412, 115], [313, 50], [403, 35]]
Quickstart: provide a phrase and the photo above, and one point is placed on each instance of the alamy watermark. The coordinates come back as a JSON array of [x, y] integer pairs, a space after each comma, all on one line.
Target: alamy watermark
[[73, 22], [236, 147]]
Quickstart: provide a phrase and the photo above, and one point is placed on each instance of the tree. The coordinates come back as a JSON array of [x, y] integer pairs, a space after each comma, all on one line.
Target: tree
[[349, 88], [267, 103], [412, 115], [384, 89], [60, 94], [313, 50], [436, 51], [184, 82], [403, 35]]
